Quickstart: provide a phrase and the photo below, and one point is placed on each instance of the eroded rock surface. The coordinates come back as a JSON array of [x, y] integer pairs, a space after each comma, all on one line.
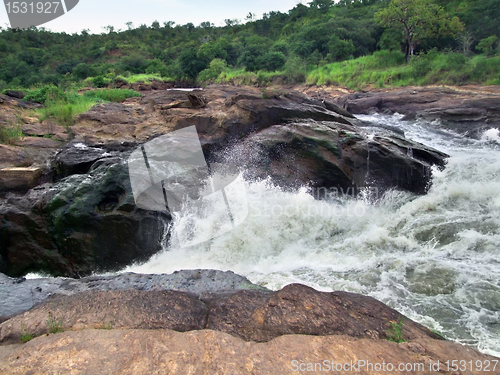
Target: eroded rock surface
[[211, 353], [252, 315], [83, 218], [466, 113]]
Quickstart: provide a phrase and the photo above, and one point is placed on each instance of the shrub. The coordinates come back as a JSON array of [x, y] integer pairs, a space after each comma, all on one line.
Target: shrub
[[272, 61], [217, 66], [486, 45], [83, 71]]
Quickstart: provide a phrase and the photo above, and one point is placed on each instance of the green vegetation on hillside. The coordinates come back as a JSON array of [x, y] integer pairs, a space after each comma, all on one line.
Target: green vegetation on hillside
[[350, 43]]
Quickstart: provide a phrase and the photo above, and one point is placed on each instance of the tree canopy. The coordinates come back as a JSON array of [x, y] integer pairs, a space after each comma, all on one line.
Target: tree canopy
[[418, 19]]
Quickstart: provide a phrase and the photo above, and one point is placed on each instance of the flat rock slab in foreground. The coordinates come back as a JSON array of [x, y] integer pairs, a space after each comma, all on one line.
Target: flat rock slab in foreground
[[211, 352], [252, 315]]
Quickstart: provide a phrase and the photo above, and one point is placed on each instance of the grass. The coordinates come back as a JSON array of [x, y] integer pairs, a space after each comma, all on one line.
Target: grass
[[10, 134], [111, 95], [146, 78], [54, 325], [25, 334], [395, 332], [381, 69], [63, 107], [385, 68]]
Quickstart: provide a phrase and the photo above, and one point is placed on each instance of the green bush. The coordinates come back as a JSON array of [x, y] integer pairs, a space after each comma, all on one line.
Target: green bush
[[486, 45], [272, 61], [41, 94], [82, 71], [217, 66]]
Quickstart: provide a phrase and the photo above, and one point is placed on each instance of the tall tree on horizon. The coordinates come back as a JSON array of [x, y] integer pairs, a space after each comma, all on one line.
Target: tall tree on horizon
[[418, 19]]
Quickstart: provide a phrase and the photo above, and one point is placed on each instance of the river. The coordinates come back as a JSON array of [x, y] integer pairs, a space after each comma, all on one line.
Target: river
[[435, 258]]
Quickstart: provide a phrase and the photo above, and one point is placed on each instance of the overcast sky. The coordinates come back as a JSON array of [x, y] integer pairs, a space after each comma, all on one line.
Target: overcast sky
[[94, 14]]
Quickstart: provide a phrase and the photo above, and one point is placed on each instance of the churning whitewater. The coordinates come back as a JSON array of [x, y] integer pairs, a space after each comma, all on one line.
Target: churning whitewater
[[434, 258]]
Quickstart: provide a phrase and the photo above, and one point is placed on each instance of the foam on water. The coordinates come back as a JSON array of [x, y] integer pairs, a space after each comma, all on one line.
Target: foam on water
[[435, 258]]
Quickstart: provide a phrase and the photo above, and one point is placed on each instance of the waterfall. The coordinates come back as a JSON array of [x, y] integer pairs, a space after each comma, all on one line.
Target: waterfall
[[435, 258]]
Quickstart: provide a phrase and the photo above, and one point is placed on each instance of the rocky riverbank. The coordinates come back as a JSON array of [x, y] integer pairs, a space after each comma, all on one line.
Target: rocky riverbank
[[220, 323], [66, 208], [73, 214]]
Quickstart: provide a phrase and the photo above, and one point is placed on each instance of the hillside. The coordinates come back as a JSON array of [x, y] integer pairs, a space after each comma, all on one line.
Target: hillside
[[307, 44]]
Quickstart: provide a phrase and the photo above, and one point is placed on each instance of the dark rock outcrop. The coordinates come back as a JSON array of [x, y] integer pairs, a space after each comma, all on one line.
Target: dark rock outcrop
[[84, 218], [336, 157], [81, 224], [454, 110]]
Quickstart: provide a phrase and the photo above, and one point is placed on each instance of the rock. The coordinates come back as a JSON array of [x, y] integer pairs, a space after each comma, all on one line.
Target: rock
[[12, 156], [252, 315], [109, 113], [77, 226], [210, 352], [39, 130], [38, 142], [77, 158], [120, 309], [336, 157], [19, 178], [9, 101], [197, 101], [466, 113], [297, 309], [19, 295], [18, 94]]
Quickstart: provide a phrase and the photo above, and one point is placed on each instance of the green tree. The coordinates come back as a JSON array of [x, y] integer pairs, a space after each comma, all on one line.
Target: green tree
[[418, 19], [486, 45]]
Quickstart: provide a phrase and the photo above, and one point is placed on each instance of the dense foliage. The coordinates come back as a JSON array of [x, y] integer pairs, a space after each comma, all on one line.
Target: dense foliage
[[295, 44]]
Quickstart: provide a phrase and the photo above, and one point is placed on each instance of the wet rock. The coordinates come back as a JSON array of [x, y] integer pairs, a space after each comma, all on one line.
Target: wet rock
[[337, 156], [79, 225], [77, 158], [466, 113]]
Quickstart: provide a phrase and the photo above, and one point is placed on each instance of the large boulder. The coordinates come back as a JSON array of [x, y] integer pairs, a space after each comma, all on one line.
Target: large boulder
[[337, 157], [18, 295], [82, 224], [252, 315]]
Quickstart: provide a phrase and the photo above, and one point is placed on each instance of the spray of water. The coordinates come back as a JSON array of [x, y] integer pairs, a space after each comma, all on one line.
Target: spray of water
[[435, 258]]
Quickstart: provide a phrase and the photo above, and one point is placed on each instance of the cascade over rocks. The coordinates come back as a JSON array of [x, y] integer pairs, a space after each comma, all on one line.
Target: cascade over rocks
[[455, 110], [79, 216]]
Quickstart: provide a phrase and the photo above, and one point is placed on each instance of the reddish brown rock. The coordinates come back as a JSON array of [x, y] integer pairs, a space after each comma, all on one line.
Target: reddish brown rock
[[298, 309], [131, 309], [207, 352], [252, 315]]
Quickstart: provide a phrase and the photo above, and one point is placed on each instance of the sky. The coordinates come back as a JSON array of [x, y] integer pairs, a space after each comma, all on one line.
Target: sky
[[95, 14]]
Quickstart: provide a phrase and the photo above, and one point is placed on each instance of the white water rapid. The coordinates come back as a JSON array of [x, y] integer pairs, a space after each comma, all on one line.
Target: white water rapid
[[434, 258]]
